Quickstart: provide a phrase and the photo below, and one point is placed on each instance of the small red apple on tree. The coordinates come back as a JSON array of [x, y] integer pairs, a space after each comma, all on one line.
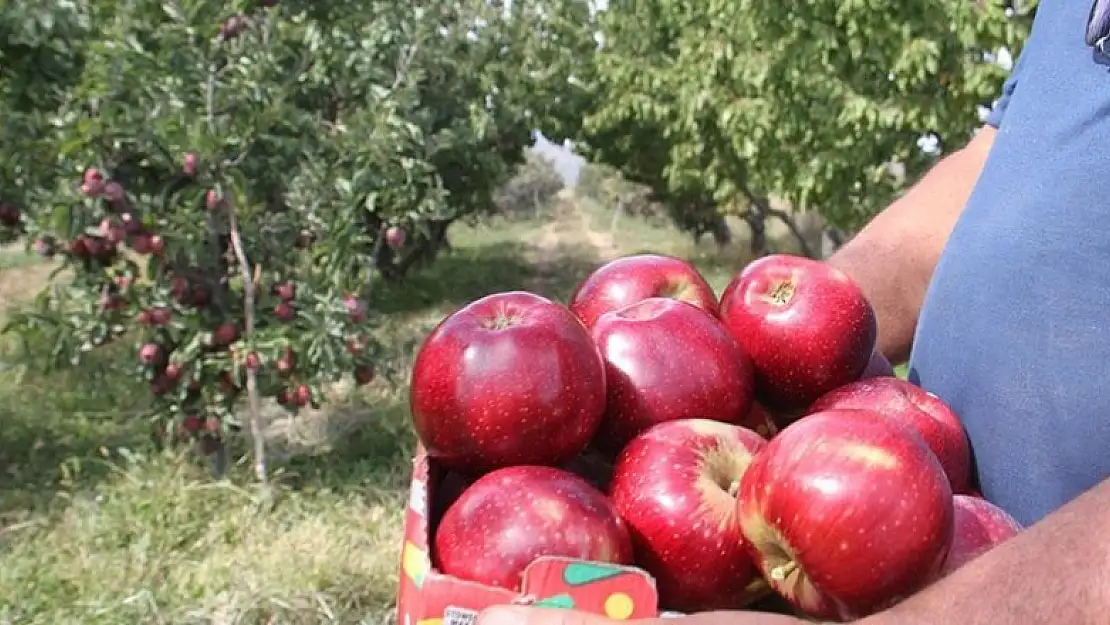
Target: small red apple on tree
[[284, 312], [225, 334], [287, 362], [213, 200], [666, 359], [189, 164], [364, 374], [395, 237], [356, 309], [286, 291], [92, 184], [151, 354], [114, 192], [10, 215]]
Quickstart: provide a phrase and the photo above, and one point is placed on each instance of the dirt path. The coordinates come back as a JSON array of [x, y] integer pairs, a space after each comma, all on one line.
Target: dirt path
[[568, 234]]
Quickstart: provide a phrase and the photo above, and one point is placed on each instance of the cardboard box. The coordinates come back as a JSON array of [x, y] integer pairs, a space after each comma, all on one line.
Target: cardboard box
[[428, 597]]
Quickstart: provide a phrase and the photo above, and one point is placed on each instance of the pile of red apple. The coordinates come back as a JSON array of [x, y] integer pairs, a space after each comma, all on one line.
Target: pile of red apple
[[734, 448]]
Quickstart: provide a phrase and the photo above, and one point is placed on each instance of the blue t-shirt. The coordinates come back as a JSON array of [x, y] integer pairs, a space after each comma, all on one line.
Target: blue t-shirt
[[1015, 330]]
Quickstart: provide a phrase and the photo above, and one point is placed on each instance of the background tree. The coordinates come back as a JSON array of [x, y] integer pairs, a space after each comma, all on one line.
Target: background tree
[[719, 106], [223, 185], [532, 188]]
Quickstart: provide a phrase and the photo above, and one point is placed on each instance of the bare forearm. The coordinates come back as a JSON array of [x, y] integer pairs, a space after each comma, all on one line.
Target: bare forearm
[[893, 257], [1055, 573]]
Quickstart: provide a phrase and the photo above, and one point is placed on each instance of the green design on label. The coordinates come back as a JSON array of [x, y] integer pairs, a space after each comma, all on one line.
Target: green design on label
[[580, 574], [563, 601]]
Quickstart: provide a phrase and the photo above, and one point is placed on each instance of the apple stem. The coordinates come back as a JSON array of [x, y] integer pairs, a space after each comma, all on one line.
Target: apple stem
[[781, 572], [733, 488], [782, 292]]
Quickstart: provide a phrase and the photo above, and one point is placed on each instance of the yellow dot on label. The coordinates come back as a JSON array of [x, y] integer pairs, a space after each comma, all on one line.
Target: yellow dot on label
[[618, 606]]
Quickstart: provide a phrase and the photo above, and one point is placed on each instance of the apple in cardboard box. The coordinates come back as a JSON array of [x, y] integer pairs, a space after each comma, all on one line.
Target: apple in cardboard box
[[806, 325], [631, 279], [512, 378], [921, 411], [667, 360], [507, 518], [980, 526], [846, 513], [675, 486]]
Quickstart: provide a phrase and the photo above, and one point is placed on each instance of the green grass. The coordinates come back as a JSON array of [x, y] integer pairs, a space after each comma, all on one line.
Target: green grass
[[98, 526], [12, 257]]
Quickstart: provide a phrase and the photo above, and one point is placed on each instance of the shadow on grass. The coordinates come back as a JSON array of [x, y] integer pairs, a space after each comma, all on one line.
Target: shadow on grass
[[55, 428]]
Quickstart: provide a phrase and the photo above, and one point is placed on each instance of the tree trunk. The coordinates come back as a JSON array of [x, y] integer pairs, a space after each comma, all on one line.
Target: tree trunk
[[722, 234]]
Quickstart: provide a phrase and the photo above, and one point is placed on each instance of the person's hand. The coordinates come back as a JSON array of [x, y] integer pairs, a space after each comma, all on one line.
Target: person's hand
[[520, 615]]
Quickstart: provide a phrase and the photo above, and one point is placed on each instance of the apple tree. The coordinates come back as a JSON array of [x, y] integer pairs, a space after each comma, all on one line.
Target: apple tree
[[221, 184], [720, 105]]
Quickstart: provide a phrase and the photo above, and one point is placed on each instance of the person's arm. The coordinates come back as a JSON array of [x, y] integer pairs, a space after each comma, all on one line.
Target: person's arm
[[893, 257]]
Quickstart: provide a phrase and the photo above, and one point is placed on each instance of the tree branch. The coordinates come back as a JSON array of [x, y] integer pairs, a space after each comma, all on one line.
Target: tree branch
[[249, 294]]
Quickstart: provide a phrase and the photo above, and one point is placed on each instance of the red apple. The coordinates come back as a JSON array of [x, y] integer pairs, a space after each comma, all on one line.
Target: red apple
[[92, 183], [395, 237], [114, 192], [846, 513], [287, 362], [112, 231], [286, 291], [213, 200], [174, 371], [284, 312], [302, 395], [675, 487], [512, 378], [225, 334], [667, 360], [980, 526], [192, 424], [631, 279], [510, 517], [806, 325], [356, 309], [189, 164], [916, 408], [151, 354], [132, 223], [157, 316], [364, 374]]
